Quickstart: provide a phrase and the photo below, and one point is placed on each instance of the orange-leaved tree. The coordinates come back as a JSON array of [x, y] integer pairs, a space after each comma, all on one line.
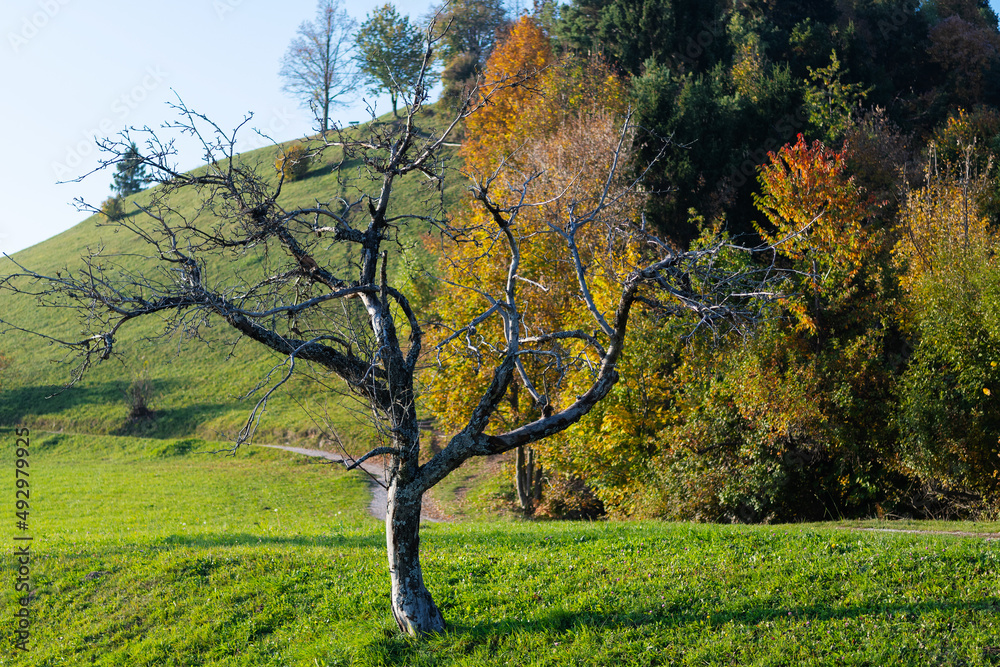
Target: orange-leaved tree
[[819, 220], [552, 90], [784, 423]]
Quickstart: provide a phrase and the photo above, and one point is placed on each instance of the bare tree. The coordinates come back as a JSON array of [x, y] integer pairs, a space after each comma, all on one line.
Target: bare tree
[[319, 67], [347, 319]]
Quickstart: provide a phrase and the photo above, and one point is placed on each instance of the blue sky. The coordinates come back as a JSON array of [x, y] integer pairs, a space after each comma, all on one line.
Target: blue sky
[[72, 69]]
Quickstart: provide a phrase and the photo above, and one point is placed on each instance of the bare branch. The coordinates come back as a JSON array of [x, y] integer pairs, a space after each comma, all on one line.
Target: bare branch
[[378, 451]]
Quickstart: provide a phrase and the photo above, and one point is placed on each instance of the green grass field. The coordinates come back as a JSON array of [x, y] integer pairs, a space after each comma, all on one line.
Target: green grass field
[[152, 552]]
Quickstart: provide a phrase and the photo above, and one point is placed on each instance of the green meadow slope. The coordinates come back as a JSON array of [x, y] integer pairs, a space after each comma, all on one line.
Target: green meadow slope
[[154, 552], [197, 384]]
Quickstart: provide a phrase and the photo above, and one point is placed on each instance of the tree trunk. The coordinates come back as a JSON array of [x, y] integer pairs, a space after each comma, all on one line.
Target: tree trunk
[[536, 491], [524, 462], [525, 478], [412, 605]]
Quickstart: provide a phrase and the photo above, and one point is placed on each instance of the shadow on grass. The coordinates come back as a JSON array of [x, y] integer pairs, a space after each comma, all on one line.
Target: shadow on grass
[[52, 399], [397, 648], [249, 539], [352, 538], [678, 615], [49, 401], [173, 423], [201, 546]]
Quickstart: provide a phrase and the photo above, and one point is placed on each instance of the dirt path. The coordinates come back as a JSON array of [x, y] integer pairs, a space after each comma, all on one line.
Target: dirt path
[[379, 497], [956, 533]]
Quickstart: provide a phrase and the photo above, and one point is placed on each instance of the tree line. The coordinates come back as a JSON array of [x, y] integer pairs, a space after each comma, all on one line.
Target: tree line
[[857, 140], [332, 54], [860, 123]]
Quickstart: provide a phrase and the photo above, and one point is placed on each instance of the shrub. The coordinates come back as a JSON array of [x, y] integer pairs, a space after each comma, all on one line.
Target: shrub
[[763, 430], [113, 208], [293, 163], [787, 422], [949, 417], [139, 395], [568, 497]]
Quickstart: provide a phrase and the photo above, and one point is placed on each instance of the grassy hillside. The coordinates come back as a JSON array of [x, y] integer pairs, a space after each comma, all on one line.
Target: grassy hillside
[[196, 386], [151, 552]]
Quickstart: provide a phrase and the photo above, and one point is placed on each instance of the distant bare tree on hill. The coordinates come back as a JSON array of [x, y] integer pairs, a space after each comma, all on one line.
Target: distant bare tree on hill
[[319, 67]]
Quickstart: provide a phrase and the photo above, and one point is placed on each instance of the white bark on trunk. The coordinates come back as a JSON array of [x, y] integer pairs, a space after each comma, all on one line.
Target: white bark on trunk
[[412, 605]]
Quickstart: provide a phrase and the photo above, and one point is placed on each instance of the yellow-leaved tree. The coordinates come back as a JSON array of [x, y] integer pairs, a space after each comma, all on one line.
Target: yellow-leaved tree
[[946, 255], [554, 135]]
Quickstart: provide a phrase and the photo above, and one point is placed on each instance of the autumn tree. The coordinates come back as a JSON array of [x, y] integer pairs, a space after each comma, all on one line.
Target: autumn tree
[[491, 136], [558, 127], [389, 54], [948, 413], [318, 67], [805, 187], [794, 419], [525, 49], [349, 321]]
